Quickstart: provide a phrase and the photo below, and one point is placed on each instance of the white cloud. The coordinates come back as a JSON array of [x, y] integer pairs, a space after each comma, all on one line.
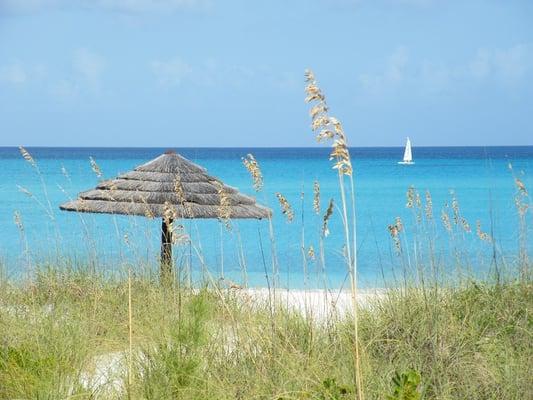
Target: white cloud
[[64, 89], [14, 74], [172, 72], [480, 66], [501, 66], [89, 66], [125, 6], [140, 6], [513, 63], [509, 65], [352, 4], [18, 73], [84, 76], [393, 74], [175, 72]]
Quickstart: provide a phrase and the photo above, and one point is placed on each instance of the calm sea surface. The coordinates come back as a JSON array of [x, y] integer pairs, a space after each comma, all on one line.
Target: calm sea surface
[[479, 176]]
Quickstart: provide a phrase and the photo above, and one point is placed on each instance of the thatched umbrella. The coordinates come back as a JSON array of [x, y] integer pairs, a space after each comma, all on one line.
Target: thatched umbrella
[[170, 187]]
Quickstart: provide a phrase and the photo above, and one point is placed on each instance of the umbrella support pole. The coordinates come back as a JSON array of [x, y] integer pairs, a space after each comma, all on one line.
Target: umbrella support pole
[[166, 250]]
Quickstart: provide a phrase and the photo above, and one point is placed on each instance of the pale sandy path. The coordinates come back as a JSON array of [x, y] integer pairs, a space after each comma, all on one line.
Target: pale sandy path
[[317, 303]]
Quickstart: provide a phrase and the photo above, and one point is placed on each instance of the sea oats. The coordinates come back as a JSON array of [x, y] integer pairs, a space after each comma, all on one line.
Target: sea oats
[[316, 197], [64, 172], [320, 122], [482, 235], [465, 225], [429, 206], [327, 216], [286, 208], [147, 209], [311, 253], [455, 208], [94, 166], [179, 235], [327, 127], [224, 207], [169, 212], [342, 156], [399, 224], [521, 206], [446, 220], [394, 231], [25, 191], [418, 200], [27, 156], [17, 219], [320, 108], [252, 166], [325, 134], [309, 75], [418, 206], [181, 197], [410, 197], [520, 186], [178, 189]]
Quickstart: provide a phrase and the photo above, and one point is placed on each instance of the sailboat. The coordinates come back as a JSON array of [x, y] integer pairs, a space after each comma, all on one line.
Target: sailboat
[[407, 156]]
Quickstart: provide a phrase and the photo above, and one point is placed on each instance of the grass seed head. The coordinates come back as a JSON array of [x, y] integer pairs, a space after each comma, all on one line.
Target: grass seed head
[[455, 209], [465, 225], [64, 172], [147, 209], [17, 219], [95, 167], [394, 231], [429, 206], [446, 220], [253, 168], [316, 197], [169, 212], [224, 207], [27, 156], [311, 253], [482, 235], [286, 208], [410, 197], [418, 200], [179, 235], [327, 216], [520, 186], [181, 197], [328, 128], [22, 189]]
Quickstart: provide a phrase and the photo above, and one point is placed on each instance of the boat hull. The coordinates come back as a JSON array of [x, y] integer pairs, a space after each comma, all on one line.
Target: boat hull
[[406, 162]]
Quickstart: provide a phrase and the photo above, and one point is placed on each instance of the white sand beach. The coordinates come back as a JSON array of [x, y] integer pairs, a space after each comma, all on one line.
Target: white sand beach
[[315, 303]]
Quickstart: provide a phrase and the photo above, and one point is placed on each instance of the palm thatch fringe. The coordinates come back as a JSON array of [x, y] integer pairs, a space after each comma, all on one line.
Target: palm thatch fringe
[[188, 210]]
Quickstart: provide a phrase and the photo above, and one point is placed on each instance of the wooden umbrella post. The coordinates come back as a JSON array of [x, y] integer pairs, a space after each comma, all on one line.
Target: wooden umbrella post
[[166, 250]]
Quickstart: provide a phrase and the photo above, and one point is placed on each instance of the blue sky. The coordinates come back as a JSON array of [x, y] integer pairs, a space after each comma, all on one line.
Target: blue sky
[[230, 73]]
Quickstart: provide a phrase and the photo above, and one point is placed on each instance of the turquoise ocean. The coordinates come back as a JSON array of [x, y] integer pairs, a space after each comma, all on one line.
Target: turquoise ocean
[[479, 177]]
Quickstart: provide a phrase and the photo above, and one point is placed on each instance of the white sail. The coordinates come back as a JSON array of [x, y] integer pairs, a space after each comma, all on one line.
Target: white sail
[[407, 156]]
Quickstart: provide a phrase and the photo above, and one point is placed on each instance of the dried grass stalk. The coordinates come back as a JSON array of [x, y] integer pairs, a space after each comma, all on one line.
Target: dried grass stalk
[[252, 166], [286, 208], [95, 167]]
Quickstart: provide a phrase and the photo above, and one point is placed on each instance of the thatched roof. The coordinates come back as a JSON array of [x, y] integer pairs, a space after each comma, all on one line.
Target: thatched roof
[[168, 183]]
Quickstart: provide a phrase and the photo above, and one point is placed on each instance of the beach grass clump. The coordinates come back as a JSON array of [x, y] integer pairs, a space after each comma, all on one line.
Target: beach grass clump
[[469, 342], [65, 334]]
